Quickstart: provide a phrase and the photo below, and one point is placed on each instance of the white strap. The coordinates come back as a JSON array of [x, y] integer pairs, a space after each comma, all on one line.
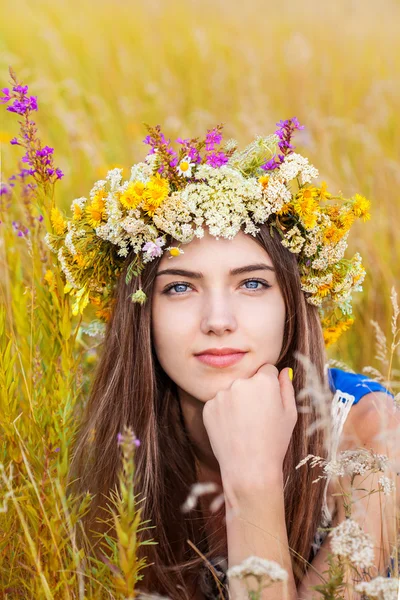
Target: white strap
[[340, 408]]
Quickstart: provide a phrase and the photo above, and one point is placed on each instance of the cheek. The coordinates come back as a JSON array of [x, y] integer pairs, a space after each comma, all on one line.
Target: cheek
[[266, 323], [170, 331]]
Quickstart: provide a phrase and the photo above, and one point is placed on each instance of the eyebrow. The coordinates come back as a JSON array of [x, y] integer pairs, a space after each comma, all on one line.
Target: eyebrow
[[232, 272]]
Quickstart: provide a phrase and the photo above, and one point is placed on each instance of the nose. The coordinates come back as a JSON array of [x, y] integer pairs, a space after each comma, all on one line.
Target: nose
[[218, 314]]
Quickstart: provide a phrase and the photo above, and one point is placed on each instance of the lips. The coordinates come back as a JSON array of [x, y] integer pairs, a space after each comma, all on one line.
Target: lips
[[220, 351], [219, 358]]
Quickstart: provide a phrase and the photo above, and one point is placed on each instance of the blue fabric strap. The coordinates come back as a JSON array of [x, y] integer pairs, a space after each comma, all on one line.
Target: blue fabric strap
[[353, 383]]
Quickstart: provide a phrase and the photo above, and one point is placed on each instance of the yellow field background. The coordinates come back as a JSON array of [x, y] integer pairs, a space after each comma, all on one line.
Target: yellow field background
[[101, 69]]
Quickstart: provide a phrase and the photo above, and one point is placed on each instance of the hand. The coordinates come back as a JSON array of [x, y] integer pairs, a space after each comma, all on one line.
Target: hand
[[250, 425]]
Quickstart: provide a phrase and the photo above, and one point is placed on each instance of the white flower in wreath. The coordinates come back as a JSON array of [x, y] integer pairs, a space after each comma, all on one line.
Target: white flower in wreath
[[185, 167]]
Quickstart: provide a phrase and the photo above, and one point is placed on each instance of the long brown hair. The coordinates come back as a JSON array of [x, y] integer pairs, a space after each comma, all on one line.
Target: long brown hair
[[131, 388]]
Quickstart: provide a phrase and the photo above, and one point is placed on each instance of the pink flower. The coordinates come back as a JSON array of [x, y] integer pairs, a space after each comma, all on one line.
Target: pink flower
[[154, 248]]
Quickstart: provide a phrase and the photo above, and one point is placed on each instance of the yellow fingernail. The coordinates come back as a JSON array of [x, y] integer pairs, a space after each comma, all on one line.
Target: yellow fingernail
[[290, 373]]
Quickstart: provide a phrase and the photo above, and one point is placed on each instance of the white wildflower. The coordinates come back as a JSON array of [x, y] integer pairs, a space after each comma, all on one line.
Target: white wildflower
[[142, 171], [185, 167], [198, 489], [348, 463], [293, 240], [80, 202], [151, 159], [64, 266], [48, 243], [199, 232], [95, 329], [330, 254], [113, 209], [97, 186], [312, 284], [296, 165], [313, 240], [387, 485], [230, 144], [114, 177], [68, 241], [380, 588], [250, 227], [277, 193], [262, 569], [350, 541], [356, 462]]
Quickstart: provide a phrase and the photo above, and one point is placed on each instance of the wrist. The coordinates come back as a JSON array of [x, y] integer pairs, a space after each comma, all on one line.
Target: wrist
[[247, 490]]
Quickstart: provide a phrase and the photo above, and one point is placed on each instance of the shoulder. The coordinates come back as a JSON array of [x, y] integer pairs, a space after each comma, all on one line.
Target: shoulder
[[373, 424], [374, 413]]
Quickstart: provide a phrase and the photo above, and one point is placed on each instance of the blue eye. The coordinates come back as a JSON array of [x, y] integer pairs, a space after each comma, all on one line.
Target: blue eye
[[175, 285], [179, 293], [252, 281]]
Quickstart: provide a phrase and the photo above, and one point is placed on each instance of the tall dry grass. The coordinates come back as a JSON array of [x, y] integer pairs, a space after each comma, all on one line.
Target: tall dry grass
[[100, 70]]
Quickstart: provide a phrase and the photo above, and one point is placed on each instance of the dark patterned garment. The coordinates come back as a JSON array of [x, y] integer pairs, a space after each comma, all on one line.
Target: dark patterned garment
[[207, 583]]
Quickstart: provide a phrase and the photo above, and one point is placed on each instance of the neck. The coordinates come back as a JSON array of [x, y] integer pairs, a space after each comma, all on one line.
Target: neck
[[192, 411]]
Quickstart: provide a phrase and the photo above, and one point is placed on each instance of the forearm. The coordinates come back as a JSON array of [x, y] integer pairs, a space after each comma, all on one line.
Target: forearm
[[258, 530]]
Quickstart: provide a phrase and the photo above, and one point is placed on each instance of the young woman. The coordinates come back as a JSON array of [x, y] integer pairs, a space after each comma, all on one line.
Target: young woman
[[208, 374]]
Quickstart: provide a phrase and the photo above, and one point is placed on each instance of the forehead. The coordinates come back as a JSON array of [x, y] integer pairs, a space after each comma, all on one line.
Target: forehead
[[209, 252]]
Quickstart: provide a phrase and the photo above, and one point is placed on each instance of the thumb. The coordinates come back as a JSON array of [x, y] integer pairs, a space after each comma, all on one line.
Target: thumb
[[287, 391]]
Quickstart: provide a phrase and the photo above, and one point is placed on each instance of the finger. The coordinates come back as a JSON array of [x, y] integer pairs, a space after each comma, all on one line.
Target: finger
[[287, 391], [268, 369]]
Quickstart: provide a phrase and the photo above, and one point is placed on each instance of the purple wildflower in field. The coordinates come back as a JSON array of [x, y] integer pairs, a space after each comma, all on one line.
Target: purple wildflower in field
[[7, 96], [213, 137], [217, 159], [121, 439], [45, 151], [194, 155], [38, 157], [173, 153], [21, 88], [284, 132], [58, 172], [21, 230], [189, 150], [168, 155], [22, 103], [273, 163], [152, 142], [23, 106]]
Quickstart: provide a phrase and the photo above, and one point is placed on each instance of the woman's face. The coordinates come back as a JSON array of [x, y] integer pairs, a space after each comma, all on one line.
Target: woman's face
[[210, 307]]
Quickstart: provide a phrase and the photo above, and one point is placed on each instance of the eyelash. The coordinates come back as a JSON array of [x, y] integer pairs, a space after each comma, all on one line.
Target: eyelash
[[172, 285]]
